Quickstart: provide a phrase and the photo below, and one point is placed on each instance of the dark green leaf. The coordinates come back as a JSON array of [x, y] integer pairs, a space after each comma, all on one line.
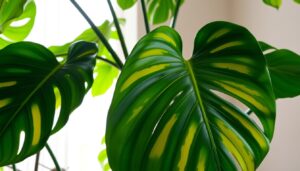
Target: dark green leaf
[[266, 47], [167, 112], [16, 20], [284, 68], [158, 11], [32, 83], [105, 73]]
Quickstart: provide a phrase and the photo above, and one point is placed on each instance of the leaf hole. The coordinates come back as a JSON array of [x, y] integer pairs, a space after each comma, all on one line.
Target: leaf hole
[[241, 106], [86, 85], [231, 100], [269, 51], [254, 117], [60, 59], [20, 23], [21, 141]]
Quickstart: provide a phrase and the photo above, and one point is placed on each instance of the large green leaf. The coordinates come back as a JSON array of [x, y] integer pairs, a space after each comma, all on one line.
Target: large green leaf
[[32, 84], [284, 67], [158, 11], [16, 20], [105, 74], [167, 113]]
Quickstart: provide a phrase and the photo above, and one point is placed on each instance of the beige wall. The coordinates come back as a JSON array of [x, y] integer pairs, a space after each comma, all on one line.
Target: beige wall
[[280, 28]]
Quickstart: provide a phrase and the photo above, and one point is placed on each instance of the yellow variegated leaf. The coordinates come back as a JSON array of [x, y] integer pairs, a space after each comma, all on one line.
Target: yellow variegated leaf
[[167, 112]]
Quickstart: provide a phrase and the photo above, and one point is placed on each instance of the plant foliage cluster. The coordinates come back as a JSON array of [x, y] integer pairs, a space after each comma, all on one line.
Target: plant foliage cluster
[[167, 113]]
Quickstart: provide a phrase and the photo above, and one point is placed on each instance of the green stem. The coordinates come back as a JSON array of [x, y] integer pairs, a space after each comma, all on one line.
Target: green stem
[[108, 61], [57, 167], [14, 167], [99, 34], [176, 13], [117, 24], [37, 161], [145, 16]]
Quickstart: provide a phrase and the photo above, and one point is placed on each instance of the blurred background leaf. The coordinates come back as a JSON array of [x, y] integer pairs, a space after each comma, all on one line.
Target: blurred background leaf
[[16, 20]]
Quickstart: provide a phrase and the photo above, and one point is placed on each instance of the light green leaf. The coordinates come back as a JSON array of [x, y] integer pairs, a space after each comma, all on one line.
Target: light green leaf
[[32, 83], [273, 3], [16, 21], [284, 68], [102, 157], [126, 4], [167, 112], [158, 11]]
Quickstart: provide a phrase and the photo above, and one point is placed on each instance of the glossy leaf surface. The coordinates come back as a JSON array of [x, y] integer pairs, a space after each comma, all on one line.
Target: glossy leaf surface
[[158, 11], [168, 114], [33, 84], [284, 67], [105, 74], [16, 20]]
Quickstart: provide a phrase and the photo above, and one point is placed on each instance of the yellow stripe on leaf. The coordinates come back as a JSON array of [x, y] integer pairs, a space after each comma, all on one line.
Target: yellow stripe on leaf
[[202, 159], [36, 118], [161, 141], [232, 66], [226, 45], [166, 38], [218, 34], [259, 137], [152, 52], [5, 102], [142, 73], [236, 146], [186, 146], [248, 96], [7, 84]]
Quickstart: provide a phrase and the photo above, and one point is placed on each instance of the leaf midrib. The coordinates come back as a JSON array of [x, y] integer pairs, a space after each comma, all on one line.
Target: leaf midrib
[[58, 67], [205, 119]]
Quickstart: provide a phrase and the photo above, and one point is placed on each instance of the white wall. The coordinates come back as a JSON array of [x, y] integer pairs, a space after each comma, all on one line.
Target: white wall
[[279, 28]]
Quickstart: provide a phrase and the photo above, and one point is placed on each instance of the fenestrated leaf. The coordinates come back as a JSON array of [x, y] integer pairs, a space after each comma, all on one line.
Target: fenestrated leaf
[[32, 82], [16, 20], [284, 68], [167, 112], [158, 11], [105, 73]]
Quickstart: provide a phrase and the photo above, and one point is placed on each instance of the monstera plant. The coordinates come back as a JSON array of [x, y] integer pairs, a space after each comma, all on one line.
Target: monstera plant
[[168, 112]]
